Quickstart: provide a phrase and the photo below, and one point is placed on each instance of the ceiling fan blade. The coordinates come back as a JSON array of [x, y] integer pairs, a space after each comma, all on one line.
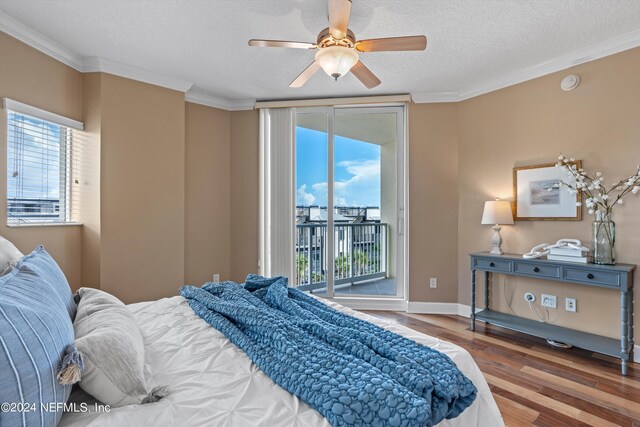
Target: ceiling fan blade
[[305, 75], [365, 75], [392, 44], [281, 43], [339, 12]]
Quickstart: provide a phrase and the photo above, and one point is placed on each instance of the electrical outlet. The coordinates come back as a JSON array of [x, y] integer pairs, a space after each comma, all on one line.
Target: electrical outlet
[[216, 278], [570, 304], [548, 301], [433, 282]]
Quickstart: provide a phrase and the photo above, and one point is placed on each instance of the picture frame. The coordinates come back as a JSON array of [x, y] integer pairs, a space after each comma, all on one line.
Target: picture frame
[[537, 197]]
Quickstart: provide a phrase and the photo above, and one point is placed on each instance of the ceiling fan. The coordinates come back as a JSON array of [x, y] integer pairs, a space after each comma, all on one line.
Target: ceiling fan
[[338, 48]]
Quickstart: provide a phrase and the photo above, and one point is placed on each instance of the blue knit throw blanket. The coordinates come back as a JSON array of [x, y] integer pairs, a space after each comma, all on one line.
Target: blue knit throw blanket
[[351, 371]]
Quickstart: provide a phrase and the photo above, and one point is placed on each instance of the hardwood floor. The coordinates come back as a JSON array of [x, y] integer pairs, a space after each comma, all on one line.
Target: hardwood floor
[[535, 384]]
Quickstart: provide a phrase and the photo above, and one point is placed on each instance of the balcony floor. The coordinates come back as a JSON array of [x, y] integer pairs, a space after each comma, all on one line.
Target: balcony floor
[[371, 287]]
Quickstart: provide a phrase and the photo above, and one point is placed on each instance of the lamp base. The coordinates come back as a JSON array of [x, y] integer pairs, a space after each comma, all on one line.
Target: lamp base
[[496, 241]]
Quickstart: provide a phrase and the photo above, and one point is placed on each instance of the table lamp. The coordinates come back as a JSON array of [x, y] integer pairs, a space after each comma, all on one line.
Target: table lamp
[[497, 212]]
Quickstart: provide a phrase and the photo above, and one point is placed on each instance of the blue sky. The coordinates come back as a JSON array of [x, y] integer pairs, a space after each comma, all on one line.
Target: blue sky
[[356, 170]]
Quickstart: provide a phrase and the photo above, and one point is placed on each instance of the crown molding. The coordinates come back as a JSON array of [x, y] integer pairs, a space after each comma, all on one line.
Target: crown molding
[[562, 62], [600, 50], [36, 40], [203, 98], [434, 97], [95, 64]]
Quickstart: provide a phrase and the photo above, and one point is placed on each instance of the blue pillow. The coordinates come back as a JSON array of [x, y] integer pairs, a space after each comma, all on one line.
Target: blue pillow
[[36, 329], [39, 261]]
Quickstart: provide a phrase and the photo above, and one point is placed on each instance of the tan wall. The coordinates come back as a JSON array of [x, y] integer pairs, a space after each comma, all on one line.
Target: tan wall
[[179, 182], [207, 194], [528, 124], [155, 197], [245, 150], [90, 176], [433, 201], [28, 76], [142, 189]]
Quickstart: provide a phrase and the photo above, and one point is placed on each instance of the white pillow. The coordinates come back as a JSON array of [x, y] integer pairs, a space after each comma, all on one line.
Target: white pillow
[[113, 351], [9, 256]]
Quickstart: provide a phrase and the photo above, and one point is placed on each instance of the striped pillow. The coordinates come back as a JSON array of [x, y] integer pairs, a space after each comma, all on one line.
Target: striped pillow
[[40, 262], [36, 329]]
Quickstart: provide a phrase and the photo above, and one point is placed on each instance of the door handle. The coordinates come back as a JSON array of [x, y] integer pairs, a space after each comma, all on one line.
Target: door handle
[[400, 226]]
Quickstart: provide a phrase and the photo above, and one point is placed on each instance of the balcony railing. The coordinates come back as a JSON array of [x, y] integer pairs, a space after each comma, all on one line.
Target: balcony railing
[[360, 253]]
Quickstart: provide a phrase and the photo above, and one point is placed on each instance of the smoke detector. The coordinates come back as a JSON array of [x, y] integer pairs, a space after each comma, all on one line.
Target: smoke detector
[[570, 82]]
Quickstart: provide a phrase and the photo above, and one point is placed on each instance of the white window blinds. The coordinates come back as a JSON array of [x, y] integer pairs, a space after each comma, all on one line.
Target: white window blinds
[[42, 169]]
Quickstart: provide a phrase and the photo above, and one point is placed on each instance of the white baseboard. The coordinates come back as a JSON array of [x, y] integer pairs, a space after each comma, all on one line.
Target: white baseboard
[[372, 304], [465, 310], [433, 307], [440, 308]]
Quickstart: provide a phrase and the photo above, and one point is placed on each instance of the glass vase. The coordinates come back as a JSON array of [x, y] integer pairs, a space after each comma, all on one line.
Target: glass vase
[[604, 240]]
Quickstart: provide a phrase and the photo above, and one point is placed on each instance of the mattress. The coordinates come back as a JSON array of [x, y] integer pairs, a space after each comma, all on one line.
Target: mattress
[[213, 383]]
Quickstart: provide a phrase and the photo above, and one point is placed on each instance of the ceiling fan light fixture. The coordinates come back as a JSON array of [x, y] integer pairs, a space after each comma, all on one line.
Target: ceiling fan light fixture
[[336, 61]]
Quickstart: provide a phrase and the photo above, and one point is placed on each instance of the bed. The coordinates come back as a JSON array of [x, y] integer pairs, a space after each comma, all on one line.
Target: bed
[[212, 382]]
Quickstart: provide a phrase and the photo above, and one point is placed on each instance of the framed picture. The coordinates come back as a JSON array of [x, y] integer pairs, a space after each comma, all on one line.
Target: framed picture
[[538, 197]]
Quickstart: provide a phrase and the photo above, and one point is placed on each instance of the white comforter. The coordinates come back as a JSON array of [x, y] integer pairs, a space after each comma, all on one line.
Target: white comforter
[[213, 383]]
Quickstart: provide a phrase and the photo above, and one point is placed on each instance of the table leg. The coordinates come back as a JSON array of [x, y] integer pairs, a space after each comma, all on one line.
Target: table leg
[[486, 289], [473, 300], [624, 339], [630, 325]]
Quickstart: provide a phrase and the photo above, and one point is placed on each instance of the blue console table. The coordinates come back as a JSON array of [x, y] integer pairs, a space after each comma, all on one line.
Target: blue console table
[[617, 278]]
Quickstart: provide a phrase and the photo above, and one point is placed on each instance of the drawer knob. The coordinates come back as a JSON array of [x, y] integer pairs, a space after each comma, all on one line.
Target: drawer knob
[[591, 276], [536, 269], [493, 264]]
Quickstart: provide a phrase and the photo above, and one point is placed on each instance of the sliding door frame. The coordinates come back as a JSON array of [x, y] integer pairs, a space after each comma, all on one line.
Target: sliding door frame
[[397, 301]]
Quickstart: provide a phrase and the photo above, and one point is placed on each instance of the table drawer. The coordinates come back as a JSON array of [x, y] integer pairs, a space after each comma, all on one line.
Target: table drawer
[[492, 265], [590, 276], [536, 270]]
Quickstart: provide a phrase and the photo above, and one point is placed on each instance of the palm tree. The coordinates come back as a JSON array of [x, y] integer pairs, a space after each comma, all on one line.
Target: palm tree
[[302, 262], [342, 266], [361, 262]]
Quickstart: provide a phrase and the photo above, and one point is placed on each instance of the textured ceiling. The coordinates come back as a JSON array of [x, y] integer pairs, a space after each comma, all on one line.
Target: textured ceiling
[[205, 41]]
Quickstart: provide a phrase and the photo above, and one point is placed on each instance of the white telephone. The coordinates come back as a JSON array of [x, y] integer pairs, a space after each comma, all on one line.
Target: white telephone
[[544, 248]]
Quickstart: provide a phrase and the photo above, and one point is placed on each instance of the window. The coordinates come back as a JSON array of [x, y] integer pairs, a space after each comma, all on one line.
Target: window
[[42, 175]]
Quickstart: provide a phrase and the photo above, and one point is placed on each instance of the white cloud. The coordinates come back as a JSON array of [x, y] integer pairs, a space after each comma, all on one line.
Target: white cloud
[[361, 170], [363, 184], [303, 198], [363, 187], [322, 186], [319, 186]]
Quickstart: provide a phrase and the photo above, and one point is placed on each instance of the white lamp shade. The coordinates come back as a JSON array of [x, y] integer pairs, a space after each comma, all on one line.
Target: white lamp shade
[[336, 61], [497, 212]]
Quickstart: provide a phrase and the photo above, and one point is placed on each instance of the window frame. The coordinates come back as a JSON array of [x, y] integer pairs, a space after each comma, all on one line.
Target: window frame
[[68, 139]]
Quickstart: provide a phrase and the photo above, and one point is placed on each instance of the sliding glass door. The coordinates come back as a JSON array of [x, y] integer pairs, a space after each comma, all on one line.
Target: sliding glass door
[[350, 190]]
